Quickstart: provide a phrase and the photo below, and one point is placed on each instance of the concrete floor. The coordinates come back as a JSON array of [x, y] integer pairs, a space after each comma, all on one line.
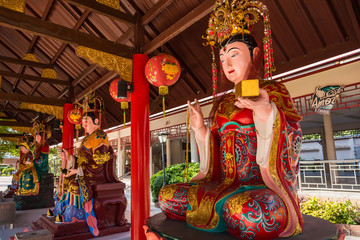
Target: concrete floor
[[23, 219]]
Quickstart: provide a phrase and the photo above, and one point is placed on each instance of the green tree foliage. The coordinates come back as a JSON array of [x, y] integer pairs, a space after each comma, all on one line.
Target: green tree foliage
[[173, 174], [335, 212], [7, 148], [54, 161]]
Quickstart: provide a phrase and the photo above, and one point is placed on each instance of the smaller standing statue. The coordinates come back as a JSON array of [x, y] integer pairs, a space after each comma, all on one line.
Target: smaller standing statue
[[92, 170], [36, 184], [41, 153]]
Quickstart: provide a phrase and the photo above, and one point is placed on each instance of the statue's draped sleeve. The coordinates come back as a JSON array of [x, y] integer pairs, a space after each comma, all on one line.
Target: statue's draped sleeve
[[283, 167]]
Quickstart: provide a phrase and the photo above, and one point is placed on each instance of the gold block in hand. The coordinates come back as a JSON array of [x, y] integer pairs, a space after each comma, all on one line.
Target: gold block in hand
[[247, 88]]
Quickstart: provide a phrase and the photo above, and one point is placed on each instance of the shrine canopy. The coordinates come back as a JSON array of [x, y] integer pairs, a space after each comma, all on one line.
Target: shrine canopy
[[52, 52]]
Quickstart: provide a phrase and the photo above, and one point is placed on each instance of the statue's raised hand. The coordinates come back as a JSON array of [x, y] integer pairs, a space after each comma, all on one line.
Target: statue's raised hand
[[197, 120]]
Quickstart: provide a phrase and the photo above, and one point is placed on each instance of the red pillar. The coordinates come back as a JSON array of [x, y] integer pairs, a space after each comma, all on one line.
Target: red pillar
[[68, 130], [140, 149]]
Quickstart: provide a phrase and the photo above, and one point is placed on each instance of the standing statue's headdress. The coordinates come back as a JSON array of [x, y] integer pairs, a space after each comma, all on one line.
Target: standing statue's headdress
[[233, 17], [40, 128], [94, 104], [26, 141]]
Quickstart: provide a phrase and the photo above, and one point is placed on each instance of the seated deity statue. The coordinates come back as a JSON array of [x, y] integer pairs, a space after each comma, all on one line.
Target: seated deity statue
[[93, 165], [249, 154], [28, 177]]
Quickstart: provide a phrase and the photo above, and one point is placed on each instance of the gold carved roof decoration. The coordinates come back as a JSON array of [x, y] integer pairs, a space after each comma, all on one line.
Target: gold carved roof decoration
[[23, 129], [57, 111], [16, 5], [10, 139], [49, 73], [111, 3], [123, 66], [30, 57]]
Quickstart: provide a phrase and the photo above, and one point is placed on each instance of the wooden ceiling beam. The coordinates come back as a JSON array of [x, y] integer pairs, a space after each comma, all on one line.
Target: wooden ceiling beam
[[155, 10], [100, 82], [63, 46], [6, 135], [76, 81], [15, 124], [290, 26], [24, 62], [33, 78], [46, 13], [102, 9], [20, 21], [31, 99], [192, 17]]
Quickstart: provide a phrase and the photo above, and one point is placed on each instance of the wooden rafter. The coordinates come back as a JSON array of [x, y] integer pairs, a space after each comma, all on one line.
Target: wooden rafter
[[8, 109], [63, 46], [102, 9], [15, 124], [34, 40], [155, 10], [33, 78], [31, 99], [104, 79], [195, 15], [83, 75], [12, 19], [24, 62], [6, 135]]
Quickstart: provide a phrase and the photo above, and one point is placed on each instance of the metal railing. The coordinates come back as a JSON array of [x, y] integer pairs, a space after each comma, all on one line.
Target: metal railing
[[330, 175]]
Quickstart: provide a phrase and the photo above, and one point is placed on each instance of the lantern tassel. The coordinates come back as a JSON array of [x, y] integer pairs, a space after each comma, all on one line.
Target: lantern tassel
[[124, 118], [163, 103], [186, 170]]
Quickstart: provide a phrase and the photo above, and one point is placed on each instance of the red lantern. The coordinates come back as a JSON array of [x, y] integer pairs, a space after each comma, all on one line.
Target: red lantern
[[115, 87], [75, 117], [162, 71]]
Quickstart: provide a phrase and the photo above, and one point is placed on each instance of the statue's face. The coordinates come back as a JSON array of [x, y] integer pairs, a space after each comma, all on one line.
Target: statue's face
[[23, 149], [88, 124], [38, 138], [236, 61]]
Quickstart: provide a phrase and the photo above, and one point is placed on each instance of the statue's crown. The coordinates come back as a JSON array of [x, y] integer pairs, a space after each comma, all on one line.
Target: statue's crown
[[232, 17]]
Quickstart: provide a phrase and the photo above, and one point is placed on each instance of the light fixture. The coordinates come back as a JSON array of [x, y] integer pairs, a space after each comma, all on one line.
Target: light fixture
[[162, 138]]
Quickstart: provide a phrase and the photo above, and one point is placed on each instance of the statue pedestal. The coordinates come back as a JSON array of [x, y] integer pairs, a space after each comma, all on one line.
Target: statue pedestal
[[109, 207], [44, 199], [314, 228]]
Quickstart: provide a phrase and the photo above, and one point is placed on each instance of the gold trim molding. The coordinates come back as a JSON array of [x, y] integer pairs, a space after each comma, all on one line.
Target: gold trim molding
[[16, 5], [111, 3], [123, 66], [30, 57], [49, 73], [23, 129], [57, 111]]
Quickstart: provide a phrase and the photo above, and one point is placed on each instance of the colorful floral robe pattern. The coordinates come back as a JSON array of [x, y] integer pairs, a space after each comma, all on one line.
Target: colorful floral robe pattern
[[236, 194], [28, 176]]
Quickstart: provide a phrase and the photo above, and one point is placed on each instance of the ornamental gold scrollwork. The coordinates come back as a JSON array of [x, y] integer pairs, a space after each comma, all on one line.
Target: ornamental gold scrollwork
[[236, 203], [23, 129], [16, 5], [49, 73], [57, 111], [121, 65], [30, 57], [111, 3], [168, 191], [101, 158]]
